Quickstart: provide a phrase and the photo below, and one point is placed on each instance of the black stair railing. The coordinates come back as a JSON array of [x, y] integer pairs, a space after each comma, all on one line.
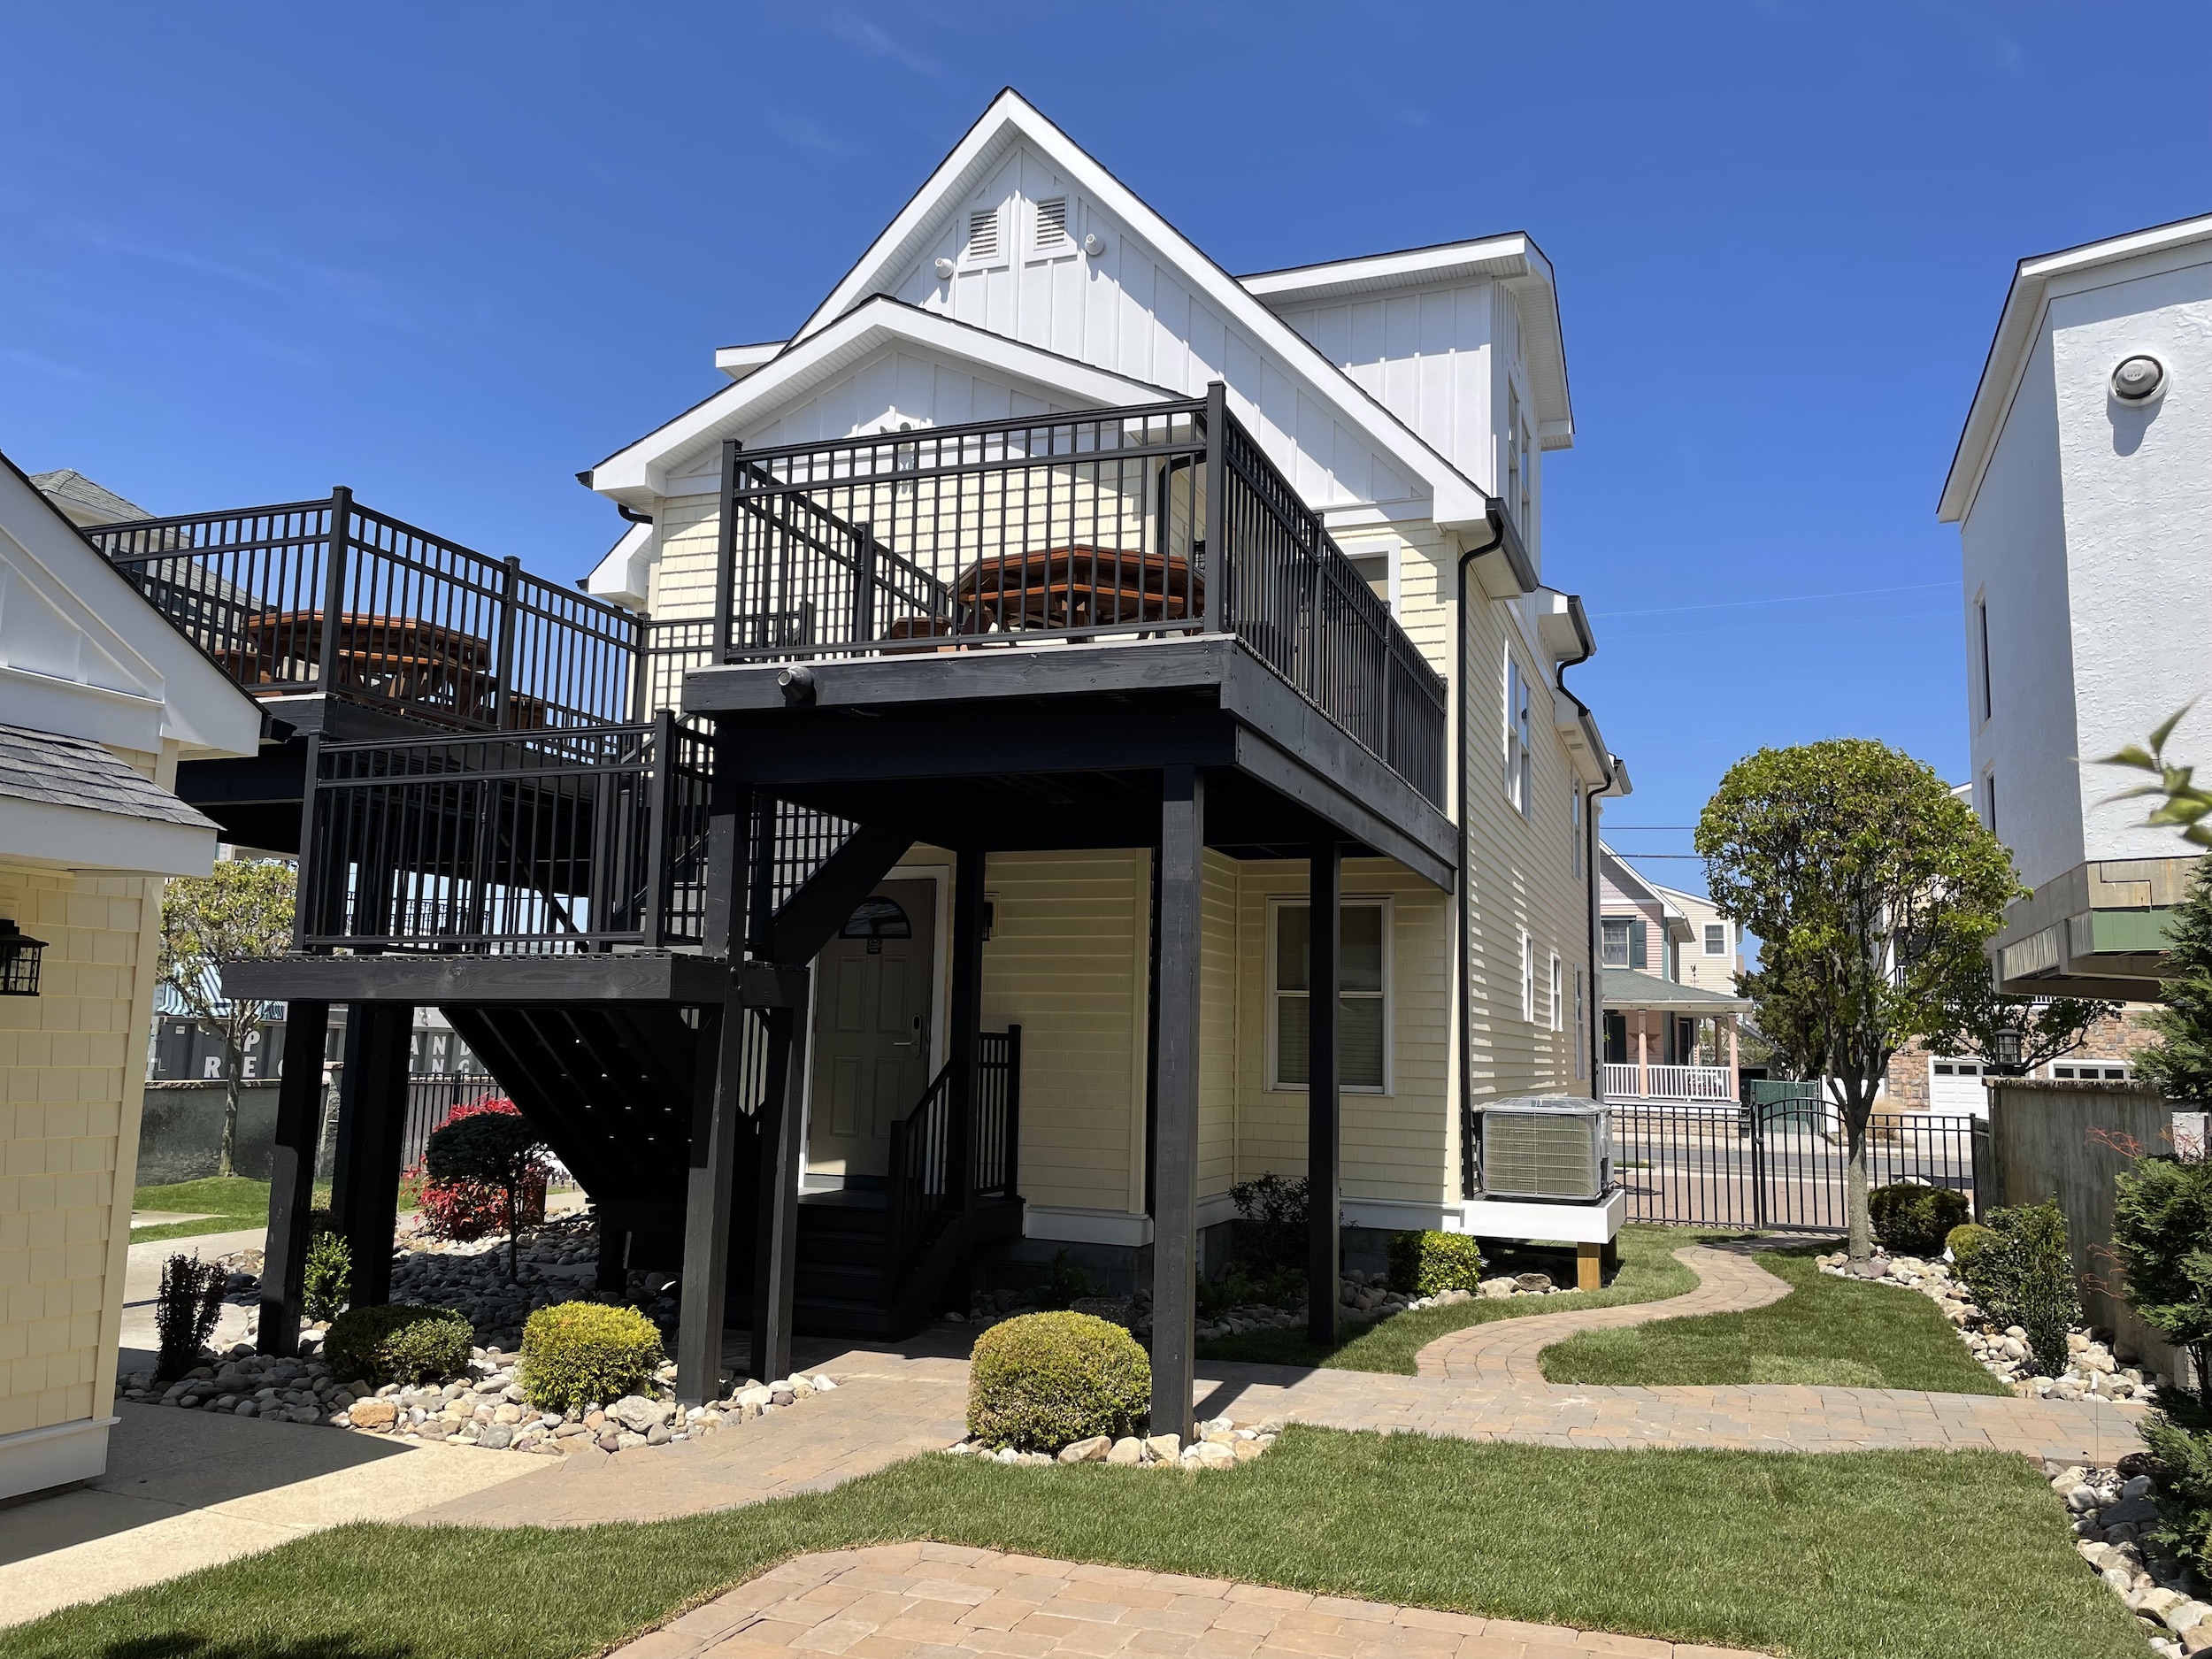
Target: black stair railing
[[923, 1200], [547, 842], [334, 597]]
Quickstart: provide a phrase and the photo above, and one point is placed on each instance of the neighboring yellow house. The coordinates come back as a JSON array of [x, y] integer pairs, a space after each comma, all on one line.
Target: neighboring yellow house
[[1410, 399], [99, 699]]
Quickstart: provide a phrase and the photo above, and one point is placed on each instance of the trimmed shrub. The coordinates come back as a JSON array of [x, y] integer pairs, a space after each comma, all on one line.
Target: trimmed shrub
[[1046, 1380], [2181, 1464], [500, 1150], [398, 1342], [1965, 1243], [2022, 1274], [329, 1280], [2162, 1230], [1425, 1263], [586, 1353], [466, 1210], [185, 1309], [1911, 1219]]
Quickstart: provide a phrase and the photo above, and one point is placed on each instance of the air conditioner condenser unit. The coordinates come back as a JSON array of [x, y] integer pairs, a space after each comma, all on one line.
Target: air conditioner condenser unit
[[1548, 1146]]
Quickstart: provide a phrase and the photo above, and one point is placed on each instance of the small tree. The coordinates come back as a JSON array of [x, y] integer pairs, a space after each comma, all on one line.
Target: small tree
[[1979, 1019], [499, 1148], [1870, 885], [242, 909], [2161, 1231]]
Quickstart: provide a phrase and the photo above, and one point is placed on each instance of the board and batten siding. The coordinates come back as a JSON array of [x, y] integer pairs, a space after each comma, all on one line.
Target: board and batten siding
[[1067, 962]]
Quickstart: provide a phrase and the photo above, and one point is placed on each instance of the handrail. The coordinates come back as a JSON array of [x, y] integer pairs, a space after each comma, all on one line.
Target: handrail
[[921, 1198]]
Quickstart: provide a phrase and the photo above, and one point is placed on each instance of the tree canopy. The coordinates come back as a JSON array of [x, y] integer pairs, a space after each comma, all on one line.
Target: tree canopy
[[1872, 889], [241, 910]]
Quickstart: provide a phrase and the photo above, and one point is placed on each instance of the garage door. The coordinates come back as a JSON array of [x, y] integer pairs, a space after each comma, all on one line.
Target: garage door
[[1955, 1086]]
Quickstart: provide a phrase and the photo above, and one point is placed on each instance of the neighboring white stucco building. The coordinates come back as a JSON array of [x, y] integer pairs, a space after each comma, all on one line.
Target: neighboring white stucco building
[[2083, 496]]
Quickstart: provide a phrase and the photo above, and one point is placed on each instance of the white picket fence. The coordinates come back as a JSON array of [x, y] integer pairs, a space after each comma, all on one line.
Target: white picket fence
[[1685, 1083]]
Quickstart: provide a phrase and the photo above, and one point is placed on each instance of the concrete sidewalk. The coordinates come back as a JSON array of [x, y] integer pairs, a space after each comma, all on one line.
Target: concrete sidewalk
[[188, 1489]]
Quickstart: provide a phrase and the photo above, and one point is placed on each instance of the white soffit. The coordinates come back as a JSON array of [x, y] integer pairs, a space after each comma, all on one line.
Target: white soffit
[[1010, 119], [737, 362], [1513, 260], [638, 474], [2033, 279]]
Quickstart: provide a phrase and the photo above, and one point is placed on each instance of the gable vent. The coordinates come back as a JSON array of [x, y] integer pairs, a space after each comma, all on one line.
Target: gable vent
[[983, 234], [1052, 223]]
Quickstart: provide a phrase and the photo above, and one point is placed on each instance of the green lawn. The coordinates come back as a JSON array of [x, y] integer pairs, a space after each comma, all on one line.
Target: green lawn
[[1830, 1331], [229, 1202], [1851, 1555], [1648, 1272]]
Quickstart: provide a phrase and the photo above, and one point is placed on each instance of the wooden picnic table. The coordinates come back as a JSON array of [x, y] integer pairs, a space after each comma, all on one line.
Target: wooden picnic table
[[1076, 586], [425, 665]]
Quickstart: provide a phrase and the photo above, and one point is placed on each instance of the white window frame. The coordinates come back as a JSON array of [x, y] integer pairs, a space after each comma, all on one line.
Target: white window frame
[[2070, 1071], [1520, 735], [1528, 977], [1557, 1013], [1578, 836], [1716, 939], [1388, 994], [1582, 1026], [1627, 925], [1981, 618], [1360, 553]]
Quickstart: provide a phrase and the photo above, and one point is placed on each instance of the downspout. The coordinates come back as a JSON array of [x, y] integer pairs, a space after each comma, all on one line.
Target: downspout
[[1469, 1176], [1594, 1005]]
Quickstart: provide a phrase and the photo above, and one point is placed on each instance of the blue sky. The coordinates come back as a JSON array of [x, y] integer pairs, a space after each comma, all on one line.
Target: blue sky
[[247, 252]]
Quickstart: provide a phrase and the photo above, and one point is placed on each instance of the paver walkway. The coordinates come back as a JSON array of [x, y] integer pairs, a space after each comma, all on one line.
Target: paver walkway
[[937, 1601], [1484, 1383]]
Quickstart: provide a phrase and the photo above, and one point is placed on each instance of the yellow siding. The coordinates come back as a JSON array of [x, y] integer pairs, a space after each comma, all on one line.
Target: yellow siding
[[1218, 1072], [683, 580], [1397, 1145], [1066, 963], [72, 1062]]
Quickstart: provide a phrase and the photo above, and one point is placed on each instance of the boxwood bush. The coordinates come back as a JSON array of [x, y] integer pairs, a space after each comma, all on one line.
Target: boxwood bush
[[1046, 1380], [1911, 1219], [586, 1353], [1425, 1263], [398, 1342]]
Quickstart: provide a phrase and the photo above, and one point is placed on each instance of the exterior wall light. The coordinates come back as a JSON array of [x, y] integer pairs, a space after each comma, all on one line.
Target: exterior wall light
[[19, 956], [1094, 244], [2139, 378], [945, 268], [2009, 1047]]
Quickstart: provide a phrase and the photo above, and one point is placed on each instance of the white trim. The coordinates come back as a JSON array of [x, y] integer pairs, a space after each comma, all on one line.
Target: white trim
[[1457, 502], [58, 1454], [1276, 903], [737, 362], [48, 836], [1399, 1215], [643, 472], [1064, 1223], [1521, 1218]]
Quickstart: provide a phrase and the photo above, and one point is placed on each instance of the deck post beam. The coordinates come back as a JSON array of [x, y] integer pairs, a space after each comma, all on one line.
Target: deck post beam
[[1324, 957], [613, 1274], [371, 1115], [717, 1118], [1175, 1061], [292, 1178], [965, 1013], [775, 1255]]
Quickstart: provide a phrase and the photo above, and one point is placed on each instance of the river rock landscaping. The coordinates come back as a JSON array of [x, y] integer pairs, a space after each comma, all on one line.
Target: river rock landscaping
[[1217, 1443], [2094, 1368], [2113, 1515]]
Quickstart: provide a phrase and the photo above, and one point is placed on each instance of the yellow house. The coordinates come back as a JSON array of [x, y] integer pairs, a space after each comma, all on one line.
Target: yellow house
[[99, 700]]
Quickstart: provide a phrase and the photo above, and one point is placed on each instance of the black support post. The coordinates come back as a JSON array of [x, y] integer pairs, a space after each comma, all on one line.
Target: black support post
[[292, 1178], [1175, 1069], [1324, 940], [371, 1115], [775, 1255], [613, 1275], [716, 1120], [966, 1012]]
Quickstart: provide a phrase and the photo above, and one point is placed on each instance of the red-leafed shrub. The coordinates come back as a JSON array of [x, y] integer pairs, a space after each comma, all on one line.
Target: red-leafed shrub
[[468, 1209]]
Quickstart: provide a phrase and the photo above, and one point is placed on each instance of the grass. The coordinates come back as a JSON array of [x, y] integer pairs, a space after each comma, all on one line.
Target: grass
[[1827, 1331], [228, 1203], [1648, 1272], [1845, 1555]]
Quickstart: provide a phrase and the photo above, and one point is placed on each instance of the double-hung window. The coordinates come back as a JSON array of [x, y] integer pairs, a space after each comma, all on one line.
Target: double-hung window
[[1528, 977], [1556, 1011], [1362, 1041], [1615, 934], [1575, 857], [1582, 1027], [1519, 740], [1715, 938]]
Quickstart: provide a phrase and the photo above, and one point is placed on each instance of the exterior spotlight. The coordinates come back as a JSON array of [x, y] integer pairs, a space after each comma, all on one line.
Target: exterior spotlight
[[2139, 378]]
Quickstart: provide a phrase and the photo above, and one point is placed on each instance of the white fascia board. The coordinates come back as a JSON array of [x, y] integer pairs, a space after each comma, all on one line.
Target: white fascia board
[[2034, 282], [71, 707], [1622, 783], [45, 835], [639, 475], [1624, 878], [623, 577], [737, 362], [1458, 505]]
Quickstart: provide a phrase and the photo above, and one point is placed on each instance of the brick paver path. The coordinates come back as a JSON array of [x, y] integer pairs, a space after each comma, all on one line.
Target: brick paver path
[[939, 1600], [1484, 1384]]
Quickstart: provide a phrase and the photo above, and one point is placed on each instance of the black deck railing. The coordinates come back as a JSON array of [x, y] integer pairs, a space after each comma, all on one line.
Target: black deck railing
[[530, 842], [1166, 519], [332, 596], [923, 1197]]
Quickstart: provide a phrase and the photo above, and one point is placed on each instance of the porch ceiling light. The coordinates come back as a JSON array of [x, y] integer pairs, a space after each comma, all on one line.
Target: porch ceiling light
[[19, 956], [2139, 378]]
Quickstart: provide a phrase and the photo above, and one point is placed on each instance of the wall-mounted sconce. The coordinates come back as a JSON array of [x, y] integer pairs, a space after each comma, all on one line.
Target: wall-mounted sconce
[[19, 956], [945, 268]]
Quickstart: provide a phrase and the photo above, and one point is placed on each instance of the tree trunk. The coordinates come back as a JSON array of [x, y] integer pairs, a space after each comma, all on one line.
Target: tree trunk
[[1855, 1114], [234, 1062], [514, 1231]]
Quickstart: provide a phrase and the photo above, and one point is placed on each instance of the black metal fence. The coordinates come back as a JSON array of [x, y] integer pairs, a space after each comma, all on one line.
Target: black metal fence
[[1781, 1163], [430, 1096], [922, 1196], [332, 596], [541, 842], [1158, 519]]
